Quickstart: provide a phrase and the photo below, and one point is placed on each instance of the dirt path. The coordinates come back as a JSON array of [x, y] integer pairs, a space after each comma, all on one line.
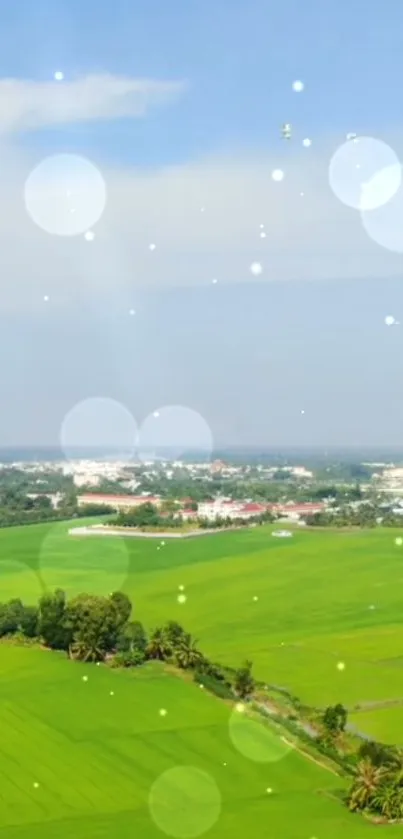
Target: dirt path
[[310, 757], [361, 707]]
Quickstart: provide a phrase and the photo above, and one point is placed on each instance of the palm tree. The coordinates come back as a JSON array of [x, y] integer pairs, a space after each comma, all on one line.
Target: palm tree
[[158, 646], [398, 802], [84, 650], [367, 781], [398, 775], [385, 800], [396, 783], [186, 653]]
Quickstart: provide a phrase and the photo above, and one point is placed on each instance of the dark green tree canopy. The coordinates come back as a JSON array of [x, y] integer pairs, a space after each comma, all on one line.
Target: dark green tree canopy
[[244, 682]]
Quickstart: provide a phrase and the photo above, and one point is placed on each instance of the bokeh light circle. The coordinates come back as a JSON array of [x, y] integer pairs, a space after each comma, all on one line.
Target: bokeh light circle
[[172, 432], [255, 740], [98, 428], [364, 174], [256, 268], [78, 563], [65, 195], [185, 802], [384, 225]]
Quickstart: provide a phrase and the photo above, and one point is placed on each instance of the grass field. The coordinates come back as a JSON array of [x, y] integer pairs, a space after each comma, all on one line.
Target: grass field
[[79, 763], [323, 598], [382, 724], [76, 761]]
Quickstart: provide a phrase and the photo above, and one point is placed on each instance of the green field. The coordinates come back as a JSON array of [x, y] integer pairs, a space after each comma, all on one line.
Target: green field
[[313, 609], [79, 763], [96, 756]]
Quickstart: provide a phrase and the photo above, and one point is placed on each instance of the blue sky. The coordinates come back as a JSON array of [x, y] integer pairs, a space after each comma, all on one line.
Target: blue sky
[[246, 354], [239, 58]]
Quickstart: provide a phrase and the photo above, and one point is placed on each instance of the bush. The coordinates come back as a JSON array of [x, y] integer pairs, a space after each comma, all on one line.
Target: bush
[[29, 622], [213, 670], [10, 616], [377, 753], [132, 637], [244, 682], [220, 688], [128, 658]]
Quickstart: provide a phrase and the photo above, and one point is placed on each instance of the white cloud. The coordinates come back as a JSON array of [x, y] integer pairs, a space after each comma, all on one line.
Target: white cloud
[[313, 237], [27, 105]]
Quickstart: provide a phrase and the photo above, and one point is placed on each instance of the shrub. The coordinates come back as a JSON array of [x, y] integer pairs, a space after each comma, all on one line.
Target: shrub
[[29, 621], [128, 658], [221, 689], [377, 753]]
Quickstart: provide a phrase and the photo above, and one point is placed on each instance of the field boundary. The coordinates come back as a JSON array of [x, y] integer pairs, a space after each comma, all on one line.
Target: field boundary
[[307, 754], [140, 534]]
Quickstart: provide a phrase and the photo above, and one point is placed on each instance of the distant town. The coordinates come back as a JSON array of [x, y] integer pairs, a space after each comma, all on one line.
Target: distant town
[[320, 494]]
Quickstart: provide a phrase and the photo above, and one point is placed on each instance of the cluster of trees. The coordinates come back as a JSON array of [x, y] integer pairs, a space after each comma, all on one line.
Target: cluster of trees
[[343, 471], [220, 522], [23, 482], [365, 515], [18, 508], [378, 784], [377, 787], [15, 617], [93, 629], [88, 510], [369, 514], [334, 722], [147, 515], [169, 516], [281, 487]]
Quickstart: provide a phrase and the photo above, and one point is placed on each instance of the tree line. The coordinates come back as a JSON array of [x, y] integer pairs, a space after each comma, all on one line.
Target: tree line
[[17, 508], [93, 628], [377, 787], [367, 515], [147, 515]]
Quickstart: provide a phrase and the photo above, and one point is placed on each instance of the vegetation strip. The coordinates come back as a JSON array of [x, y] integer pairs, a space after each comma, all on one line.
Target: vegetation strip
[[98, 629]]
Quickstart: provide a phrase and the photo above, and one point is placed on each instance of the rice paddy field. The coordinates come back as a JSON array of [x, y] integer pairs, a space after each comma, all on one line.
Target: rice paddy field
[[90, 752]]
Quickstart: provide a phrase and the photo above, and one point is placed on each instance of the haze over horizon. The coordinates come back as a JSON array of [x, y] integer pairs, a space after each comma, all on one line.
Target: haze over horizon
[[180, 109]]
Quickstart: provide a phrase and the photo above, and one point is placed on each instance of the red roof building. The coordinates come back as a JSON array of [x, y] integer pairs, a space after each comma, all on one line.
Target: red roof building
[[253, 508], [303, 509]]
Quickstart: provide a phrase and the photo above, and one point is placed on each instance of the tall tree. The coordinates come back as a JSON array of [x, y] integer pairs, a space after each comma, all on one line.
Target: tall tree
[[244, 682], [335, 718], [174, 632], [123, 606], [52, 614], [93, 624], [186, 653], [378, 754], [132, 637], [29, 623], [10, 616], [159, 646], [366, 784]]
